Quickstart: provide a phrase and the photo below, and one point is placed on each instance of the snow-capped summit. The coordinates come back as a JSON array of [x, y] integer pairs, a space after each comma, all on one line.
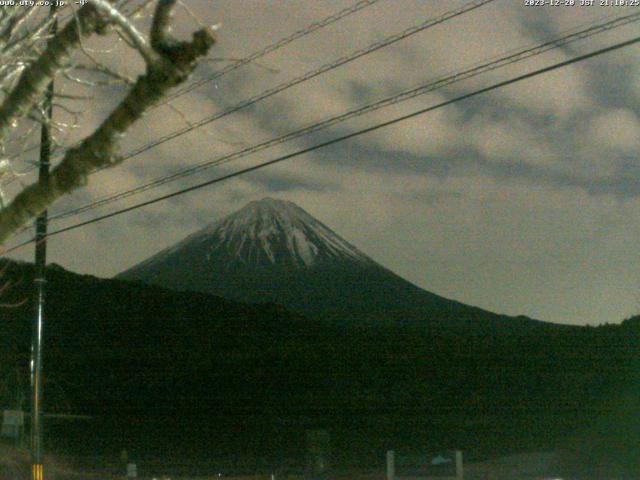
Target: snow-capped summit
[[277, 232], [264, 233]]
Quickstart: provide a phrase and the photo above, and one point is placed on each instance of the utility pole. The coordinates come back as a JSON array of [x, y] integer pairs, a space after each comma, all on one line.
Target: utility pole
[[37, 470]]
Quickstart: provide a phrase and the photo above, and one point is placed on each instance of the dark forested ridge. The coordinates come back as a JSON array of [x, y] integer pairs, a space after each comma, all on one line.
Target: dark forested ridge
[[188, 372]]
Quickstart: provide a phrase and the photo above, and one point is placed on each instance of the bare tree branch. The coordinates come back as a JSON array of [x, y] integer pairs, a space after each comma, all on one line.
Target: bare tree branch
[[175, 62], [160, 26], [135, 37]]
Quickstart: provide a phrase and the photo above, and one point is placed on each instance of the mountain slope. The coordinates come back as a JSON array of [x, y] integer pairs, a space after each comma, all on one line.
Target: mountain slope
[[274, 251]]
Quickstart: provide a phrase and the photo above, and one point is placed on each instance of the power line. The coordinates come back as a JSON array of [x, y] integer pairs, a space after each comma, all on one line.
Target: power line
[[517, 56], [342, 138], [273, 47], [312, 74]]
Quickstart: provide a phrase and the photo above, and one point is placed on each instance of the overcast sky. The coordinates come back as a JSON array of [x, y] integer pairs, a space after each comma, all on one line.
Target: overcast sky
[[525, 200]]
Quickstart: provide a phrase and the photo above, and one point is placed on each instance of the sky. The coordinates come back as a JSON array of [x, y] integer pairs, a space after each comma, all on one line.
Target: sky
[[524, 200]]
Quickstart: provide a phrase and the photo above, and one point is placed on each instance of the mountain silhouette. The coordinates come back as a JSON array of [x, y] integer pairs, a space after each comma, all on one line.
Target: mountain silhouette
[[273, 251]]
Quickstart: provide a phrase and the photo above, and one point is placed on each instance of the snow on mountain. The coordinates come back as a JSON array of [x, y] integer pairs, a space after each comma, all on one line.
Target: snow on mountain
[[267, 232]]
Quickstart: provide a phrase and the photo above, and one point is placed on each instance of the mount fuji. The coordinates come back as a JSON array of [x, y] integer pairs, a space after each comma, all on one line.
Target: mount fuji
[[272, 251]]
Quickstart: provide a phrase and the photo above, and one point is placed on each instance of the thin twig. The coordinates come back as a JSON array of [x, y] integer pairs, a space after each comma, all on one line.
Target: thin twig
[[136, 38]]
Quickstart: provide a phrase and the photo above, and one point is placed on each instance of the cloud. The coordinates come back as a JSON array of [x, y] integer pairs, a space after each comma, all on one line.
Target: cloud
[[616, 129], [521, 201], [511, 140]]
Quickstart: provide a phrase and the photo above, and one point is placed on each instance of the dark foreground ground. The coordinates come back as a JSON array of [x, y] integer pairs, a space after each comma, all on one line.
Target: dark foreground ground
[[192, 383], [14, 465]]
